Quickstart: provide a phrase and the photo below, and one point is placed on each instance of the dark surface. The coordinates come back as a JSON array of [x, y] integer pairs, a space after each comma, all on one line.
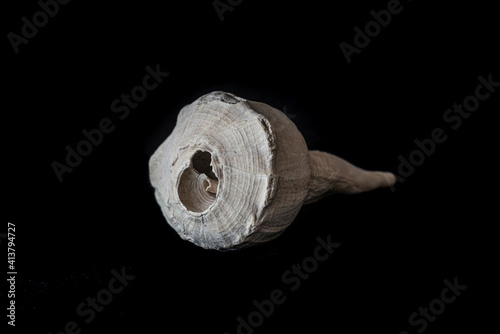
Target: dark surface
[[397, 247]]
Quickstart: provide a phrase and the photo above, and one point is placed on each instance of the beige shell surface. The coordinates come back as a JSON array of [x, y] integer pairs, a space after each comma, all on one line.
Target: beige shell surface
[[232, 173]]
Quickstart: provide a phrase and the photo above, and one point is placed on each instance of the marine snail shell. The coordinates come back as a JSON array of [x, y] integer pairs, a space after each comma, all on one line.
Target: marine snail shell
[[234, 173]]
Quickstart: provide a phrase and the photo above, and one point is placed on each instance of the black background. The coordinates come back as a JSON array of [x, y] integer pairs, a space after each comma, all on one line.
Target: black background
[[396, 247]]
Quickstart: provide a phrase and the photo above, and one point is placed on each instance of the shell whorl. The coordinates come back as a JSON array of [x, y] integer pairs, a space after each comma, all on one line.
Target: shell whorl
[[232, 173]]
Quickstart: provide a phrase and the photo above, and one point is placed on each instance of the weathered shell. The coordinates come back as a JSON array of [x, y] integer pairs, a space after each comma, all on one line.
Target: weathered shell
[[239, 144], [234, 173]]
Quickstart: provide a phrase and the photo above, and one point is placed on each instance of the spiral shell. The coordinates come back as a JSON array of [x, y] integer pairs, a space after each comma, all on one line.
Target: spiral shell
[[234, 173]]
